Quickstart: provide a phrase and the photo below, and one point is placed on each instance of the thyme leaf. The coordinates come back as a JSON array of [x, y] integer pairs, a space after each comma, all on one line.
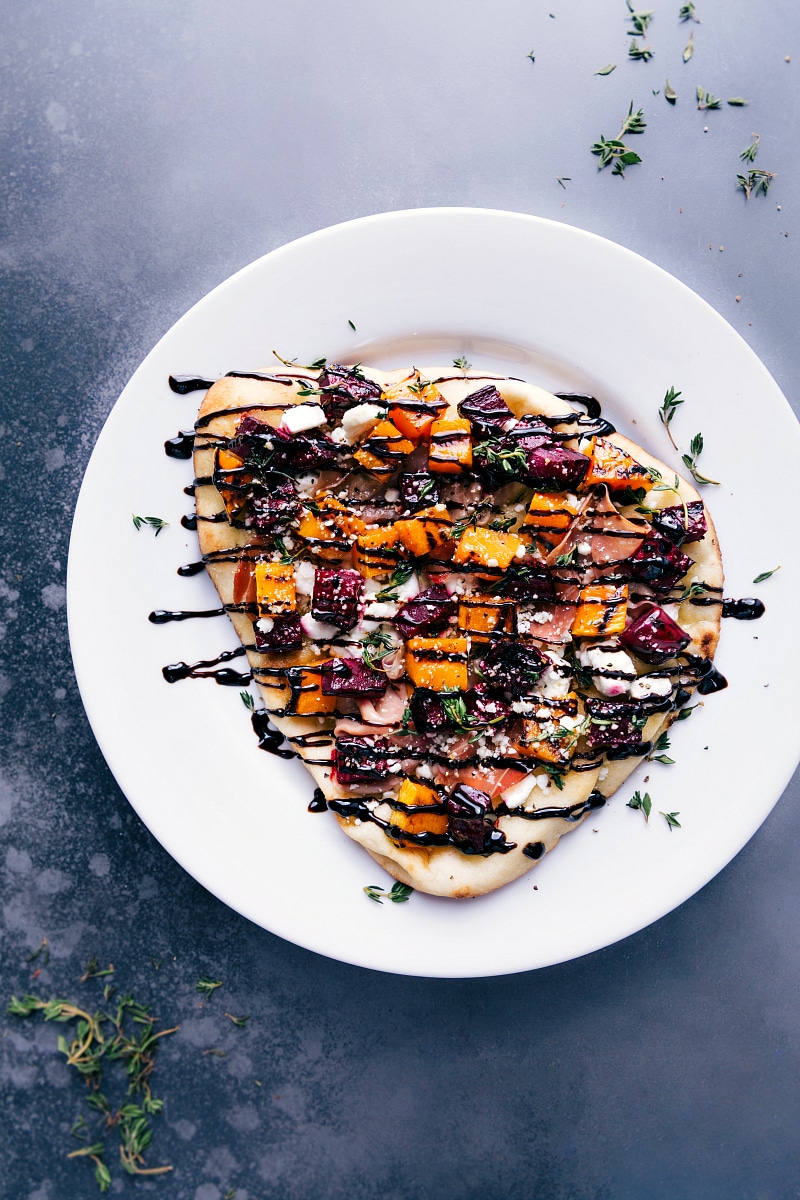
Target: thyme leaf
[[374, 648], [765, 575], [672, 820], [607, 69], [737, 102], [642, 802], [155, 523], [398, 893], [688, 49], [755, 182], [640, 20], [614, 150], [749, 153], [669, 407], [687, 12], [640, 53], [207, 987], [705, 100], [462, 363], [400, 575], [690, 461], [248, 701], [670, 95]]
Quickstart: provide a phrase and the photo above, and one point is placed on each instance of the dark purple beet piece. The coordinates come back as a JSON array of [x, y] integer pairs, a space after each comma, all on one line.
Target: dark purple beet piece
[[529, 432], [530, 582], [426, 613], [488, 412], [336, 596], [427, 711], [301, 452], [653, 636], [482, 708], [350, 677], [680, 526], [612, 724], [511, 668], [467, 810], [418, 489], [273, 506], [361, 760], [345, 389], [285, 634], [659, 563], [553, 468], [250, 427]]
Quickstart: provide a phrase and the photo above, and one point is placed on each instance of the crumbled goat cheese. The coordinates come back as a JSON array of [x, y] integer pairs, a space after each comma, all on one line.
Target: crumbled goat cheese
[[543, 782], [359, 420], [391, 494], [520, 551], [423, 771], [381, 609], [319, 630], [303, 416], [584, 548], [649, 686], [265, 624], [304, 578], [603, 774], [556, 681], [612, 670], [339, 436], [516, 795], [305, 484]]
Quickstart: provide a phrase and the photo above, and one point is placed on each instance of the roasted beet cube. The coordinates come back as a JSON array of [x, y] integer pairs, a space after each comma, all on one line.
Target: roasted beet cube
[[530, 582], [488, 412], [467, 813], [302, 452], [426, 613], [361, 760], [284, 633], [345, 388], [336, 596], [680, 526], [418, 489], [350, 677], [552, 467], [428, 712], [511, 668], [250, 427], [529, 432], [659, 563], [483, 708], [613, 723], [273, 506], [653, 636]]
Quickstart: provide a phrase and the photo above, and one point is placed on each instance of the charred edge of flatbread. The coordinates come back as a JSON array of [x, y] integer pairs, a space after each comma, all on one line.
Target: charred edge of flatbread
[[442, 871]]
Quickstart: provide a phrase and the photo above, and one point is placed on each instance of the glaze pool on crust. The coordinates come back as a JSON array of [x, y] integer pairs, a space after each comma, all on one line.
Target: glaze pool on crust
[[439, 869]]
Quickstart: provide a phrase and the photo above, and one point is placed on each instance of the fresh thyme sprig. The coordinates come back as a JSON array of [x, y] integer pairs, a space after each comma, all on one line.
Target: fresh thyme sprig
[[749, 153], [691, 592], [398, 893], [755, 182], [640, 20], [207, 987], [319, 364], [462, 363], [374, 648], [705, 100], [239, 1022], [669, 407], [642, 802], [614, 149], [555, 775], [765, 575], [640, 53], [400, 575], [672, 820], [658, 753], [248, 701], [155, 523], [687, 12], [690, 461], [92, 971]]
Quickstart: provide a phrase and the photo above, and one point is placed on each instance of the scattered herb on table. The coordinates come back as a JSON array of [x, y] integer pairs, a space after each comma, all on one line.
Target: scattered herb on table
[[563, 180], [155, 523], [685, 713], [640, 53], [687, 12], [669, 407], [531, 56], [239, 1022], [208, 986], [319, 364], [607, 69], [705, 100], [737, 102], [398, 893], [92, 971], [43, 949], [765, 575], [641, 19], [688, 49], [690, 461], [642, 802], [350, 323], [672, 820], [755, 182], [658, 753], [749, 153], [614, 150], [462, 363], [248, 701], [670, 95]]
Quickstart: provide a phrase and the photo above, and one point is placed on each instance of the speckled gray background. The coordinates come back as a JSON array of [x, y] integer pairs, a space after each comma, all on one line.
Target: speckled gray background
[[150, 150]]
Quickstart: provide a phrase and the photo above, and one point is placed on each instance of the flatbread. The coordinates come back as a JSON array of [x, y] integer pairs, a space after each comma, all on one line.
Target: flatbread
[[228, 540]]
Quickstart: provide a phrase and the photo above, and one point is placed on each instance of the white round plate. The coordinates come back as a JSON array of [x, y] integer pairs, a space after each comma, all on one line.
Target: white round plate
[[518, 295]]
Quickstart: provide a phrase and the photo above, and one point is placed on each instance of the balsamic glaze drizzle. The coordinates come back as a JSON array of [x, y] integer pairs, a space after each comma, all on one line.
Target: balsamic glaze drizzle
[[205, 670]]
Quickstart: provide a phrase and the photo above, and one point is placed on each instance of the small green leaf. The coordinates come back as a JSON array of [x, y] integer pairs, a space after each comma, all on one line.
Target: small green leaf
[[669, 93], [672, 820], [607, 69], [462, 363], [155, 523], [247, 700], [688, 49], [663, 758], [208, 986], [737, 102], [642, 802], [765, 575]]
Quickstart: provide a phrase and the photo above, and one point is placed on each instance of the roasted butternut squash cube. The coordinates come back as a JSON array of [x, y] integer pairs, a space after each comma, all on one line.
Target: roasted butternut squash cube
[[427, 530], [414, 796], [551, 734], [377, 551], [550, 511], [487, 548], [232, 480], [438, 663], [601, 611], [414, 404], [612, 466], [330, 531], [275, 590], [480, 616], [451, 447], [306, 698], [383, 450]]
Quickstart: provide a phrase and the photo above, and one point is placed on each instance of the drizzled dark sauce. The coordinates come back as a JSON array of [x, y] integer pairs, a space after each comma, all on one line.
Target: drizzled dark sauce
[[258, 375], [571, 812], [533, 850], [181, 446], [270, 738], [190, 569], [162, 615], [318, 803], [189, 383], [594, 423], [748, 609], [205, 669]]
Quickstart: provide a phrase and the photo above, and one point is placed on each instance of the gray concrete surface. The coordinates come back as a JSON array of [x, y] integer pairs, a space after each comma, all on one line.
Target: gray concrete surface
[[150, 150]]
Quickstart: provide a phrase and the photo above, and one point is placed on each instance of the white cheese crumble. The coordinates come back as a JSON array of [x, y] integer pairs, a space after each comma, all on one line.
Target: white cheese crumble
[[391, 494], [584, 548], [620, 668], [518, 793], [265, 625], [647, 685], [556, 682], [318, 630], [303, 416], [603, 774], [359, 420], [380, 609], [304, 578]]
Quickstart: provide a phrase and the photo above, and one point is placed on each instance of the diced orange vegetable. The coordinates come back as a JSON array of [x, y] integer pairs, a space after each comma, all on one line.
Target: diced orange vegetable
[[544, 736], [305, 687], [612, 466], [275, 591], [548, 511], [415, 796], [487, 548], [382, 450], [428, 529], [377, 551], [438, 663], [414, 405], [451, 448], [480, 616], [330, 532], [232, 480], [601, 610]]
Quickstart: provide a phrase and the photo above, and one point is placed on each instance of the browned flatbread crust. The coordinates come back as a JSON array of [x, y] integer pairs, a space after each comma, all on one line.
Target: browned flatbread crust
[[440, 870]]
